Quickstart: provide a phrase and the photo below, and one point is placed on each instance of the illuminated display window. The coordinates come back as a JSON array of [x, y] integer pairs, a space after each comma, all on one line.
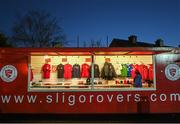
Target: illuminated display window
[[91, 72]]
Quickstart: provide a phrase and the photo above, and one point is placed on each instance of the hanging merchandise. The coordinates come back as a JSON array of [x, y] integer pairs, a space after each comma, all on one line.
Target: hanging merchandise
[[150, 74], [138, 79], [112, 72], [67, 71], [88, 81], [145, 72], [60, 70], [129, 69], [85, 71], [76, 71], [140, 69], [124, 70], [46, 71], [96, 71], [143, 69], [31, 75], [105, 71], [134, 68], [108, 71]]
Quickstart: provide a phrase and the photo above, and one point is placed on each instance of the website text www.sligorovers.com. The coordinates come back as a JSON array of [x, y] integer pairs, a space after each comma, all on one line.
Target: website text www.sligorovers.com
[[73, 99]]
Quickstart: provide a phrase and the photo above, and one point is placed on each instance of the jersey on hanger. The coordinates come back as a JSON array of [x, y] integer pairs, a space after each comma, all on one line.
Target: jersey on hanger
[[67, 71], [124, 70], [31, 75], [76, 71], [145, 73], [150, 73], [134, 68], [96, 71], [85, 72], [46, 71], [129, 69], [60, 70]]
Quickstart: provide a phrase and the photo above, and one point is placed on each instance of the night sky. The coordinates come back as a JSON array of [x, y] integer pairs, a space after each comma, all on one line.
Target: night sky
[[97, 19]]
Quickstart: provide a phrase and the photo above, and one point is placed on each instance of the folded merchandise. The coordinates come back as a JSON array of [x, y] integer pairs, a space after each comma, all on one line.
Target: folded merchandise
[[80, 83], [95, 82], [59, 83], [88, 81], [99, 82], [67, 83]]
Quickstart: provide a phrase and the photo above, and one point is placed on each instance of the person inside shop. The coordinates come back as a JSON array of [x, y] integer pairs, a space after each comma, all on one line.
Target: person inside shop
[[137, 79]]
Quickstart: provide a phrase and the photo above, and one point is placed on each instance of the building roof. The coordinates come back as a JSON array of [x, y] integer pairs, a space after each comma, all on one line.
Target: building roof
[[127, 43]]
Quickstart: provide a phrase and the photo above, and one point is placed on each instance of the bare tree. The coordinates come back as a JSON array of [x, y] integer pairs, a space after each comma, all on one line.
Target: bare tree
[[84, 44], [98, 43], [95, 43], [38, 29], [92, 43]]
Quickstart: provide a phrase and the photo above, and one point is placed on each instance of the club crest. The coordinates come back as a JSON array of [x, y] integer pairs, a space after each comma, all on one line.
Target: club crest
[[8, 73], [172, 72]]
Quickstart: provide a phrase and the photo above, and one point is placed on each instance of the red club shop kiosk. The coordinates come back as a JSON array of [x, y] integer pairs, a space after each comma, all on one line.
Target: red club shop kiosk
[[90, 80]]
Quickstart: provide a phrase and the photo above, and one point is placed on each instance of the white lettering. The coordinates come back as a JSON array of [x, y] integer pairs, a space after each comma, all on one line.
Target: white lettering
[[82, 99], [175, 96], [31, 99], [49, 98], [153, 97], [120, 97], [57, 97], [137, 98], [5, 99], [100, 98], [18, 99], [63, 97], [163, 97], [128, 97], [110, 97], [71, 100], [90, 97]]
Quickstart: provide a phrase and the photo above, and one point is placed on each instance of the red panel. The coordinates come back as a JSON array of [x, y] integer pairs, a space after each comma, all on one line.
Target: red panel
[[113, 102]]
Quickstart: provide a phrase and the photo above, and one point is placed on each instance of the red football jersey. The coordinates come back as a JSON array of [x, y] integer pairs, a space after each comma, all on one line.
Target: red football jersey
[[85, 72], [46, 71], [134, 68], [31, 75], [151, 72], [67, 71], [145, 72], [141, 69]]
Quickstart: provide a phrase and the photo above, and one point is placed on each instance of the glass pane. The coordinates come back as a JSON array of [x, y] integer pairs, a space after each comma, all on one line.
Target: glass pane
[[123, 72], [60, 72]]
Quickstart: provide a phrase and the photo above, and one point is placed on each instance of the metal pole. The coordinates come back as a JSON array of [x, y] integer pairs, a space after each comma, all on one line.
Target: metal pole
[[92, 71]]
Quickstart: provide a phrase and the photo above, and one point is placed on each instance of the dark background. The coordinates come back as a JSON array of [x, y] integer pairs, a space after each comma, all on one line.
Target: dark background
[[97, 19]]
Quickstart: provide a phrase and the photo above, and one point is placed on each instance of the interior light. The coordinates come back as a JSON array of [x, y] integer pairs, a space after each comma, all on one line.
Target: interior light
[[46, 57]]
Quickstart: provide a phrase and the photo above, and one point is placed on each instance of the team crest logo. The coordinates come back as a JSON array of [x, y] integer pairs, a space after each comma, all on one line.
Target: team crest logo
[[8, 73], [172, 72]]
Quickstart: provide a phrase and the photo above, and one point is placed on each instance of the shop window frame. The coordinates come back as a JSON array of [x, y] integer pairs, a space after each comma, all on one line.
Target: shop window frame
[[92, 85]]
